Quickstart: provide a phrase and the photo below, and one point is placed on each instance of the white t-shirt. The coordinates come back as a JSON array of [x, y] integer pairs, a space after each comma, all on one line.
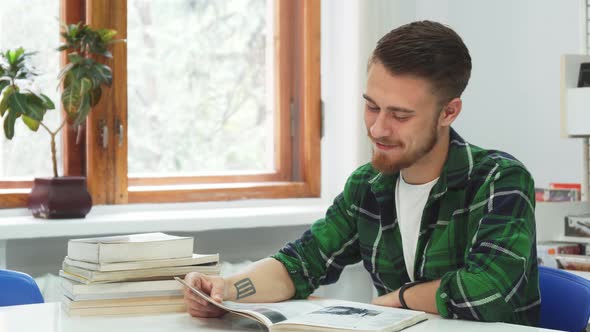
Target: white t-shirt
[[410, 201]]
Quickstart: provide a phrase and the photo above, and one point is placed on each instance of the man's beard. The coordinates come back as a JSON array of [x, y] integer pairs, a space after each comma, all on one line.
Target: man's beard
[[383, 163]]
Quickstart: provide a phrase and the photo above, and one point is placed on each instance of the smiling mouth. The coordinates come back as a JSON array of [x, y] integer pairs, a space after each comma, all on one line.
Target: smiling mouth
[[385, 147]]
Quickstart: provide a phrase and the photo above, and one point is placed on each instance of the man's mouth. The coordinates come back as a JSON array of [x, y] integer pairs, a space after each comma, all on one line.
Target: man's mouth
[[385, 147]]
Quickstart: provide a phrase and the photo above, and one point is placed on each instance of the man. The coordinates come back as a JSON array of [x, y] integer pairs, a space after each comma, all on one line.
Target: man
[[441, 225]]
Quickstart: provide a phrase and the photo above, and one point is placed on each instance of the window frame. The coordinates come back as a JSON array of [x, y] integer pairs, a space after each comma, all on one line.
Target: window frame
[[297, 122]]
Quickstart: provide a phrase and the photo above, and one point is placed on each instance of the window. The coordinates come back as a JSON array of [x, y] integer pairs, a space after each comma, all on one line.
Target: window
[[201, 107], [211, 100], [28, 154]]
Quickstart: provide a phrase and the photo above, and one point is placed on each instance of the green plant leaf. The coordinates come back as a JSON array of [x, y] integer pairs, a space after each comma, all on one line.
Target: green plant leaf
[[15, 56], [75, 58], [21, 103], [31, 123], [83, 110], [47, 103], [9, 121], [71, 99], [85, 85], [102, 73], [4, 102], [3, 84], [73, 29], [95, 96], [66, 73], [106, 53], [36, 106], [106, 34]]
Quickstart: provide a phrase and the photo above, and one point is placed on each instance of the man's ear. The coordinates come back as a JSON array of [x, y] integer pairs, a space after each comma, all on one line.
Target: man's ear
[[450, 112]]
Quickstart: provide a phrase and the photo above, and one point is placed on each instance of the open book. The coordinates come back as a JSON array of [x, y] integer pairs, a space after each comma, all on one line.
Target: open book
[[320, 315]]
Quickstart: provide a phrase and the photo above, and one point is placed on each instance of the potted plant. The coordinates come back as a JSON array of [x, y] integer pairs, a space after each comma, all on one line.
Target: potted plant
[[83, 79]]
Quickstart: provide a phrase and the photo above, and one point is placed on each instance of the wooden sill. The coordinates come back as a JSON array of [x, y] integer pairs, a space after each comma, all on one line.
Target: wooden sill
[[219, 192], [14, 198]]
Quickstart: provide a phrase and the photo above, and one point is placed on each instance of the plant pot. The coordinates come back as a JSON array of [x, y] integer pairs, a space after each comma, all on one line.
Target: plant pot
[[60, 198]]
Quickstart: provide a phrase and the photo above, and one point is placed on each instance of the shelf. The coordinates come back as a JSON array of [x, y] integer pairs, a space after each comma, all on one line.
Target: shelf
[[180, 220], [574, 101]]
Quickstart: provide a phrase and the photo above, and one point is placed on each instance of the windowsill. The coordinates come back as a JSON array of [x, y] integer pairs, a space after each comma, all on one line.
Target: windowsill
[[182, 217]]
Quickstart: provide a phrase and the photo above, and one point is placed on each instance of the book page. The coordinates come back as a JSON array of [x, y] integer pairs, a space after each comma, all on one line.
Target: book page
[[334, 314], [251, 314], [337, 314], [266, 313], [278, 311]]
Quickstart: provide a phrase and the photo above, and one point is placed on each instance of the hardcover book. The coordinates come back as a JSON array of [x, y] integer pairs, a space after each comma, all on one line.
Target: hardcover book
[[79, 292], [129, 248], [89, 276], [140, 301], [125, 310], [196, 259]]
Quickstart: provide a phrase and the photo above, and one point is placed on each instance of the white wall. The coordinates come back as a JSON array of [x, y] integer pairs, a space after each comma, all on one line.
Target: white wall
[[341, 147], [515, 85], [512, 100]]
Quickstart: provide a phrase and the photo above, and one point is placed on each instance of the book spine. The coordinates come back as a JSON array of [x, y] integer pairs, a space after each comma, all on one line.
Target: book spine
[[556, 195], [145, 309]]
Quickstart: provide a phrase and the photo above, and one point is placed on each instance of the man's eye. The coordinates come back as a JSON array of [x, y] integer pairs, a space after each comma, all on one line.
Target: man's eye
[[372, 108], [401, 118]]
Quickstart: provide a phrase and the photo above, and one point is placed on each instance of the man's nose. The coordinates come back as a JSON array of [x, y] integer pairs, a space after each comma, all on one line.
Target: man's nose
[[380, 128]]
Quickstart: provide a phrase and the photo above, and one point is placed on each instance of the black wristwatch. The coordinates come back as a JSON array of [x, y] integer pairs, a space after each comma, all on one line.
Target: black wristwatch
[[403, 289]]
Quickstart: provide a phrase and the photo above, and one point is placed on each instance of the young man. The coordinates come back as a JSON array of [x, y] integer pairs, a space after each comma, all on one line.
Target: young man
[[441, 225]]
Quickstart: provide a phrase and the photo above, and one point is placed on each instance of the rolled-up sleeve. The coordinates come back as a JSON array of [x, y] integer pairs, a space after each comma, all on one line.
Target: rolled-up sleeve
[[499, 280], [320, 254]]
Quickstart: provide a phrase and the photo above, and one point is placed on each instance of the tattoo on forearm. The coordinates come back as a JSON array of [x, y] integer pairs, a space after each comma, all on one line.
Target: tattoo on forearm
[[245, 288]]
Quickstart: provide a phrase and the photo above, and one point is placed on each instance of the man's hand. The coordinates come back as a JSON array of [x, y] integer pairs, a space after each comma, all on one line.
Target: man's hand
[[264, 281], [213, 286], [388, 300]]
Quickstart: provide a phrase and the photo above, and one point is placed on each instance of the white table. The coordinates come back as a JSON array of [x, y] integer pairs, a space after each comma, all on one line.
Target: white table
[[50, 317]]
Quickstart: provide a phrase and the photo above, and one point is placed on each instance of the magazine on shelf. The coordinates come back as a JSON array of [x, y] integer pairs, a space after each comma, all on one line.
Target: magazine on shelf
[[320, 315]]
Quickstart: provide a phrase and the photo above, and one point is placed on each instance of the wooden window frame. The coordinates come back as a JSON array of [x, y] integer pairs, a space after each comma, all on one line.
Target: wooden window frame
[[297, 51], [297, 154]]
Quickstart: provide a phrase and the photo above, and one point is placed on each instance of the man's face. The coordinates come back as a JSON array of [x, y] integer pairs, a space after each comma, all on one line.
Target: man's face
[[401, 115]]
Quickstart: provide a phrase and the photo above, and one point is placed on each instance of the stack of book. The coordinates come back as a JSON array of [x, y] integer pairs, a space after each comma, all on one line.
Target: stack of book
[[559, 192], [547, 252], [129, 274]]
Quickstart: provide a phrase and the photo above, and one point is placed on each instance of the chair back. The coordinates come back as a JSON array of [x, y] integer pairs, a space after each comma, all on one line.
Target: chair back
[[18, 288], [565, 300]]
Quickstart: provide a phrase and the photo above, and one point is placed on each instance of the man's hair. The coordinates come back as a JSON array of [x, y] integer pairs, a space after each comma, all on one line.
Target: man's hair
[[428, 50]]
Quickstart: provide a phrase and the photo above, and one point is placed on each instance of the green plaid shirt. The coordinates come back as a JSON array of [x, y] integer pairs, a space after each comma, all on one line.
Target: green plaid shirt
[[477, 235]]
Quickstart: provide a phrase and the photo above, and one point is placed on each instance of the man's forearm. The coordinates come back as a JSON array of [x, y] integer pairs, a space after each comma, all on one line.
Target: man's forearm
[[266, 280], [422, 296]]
